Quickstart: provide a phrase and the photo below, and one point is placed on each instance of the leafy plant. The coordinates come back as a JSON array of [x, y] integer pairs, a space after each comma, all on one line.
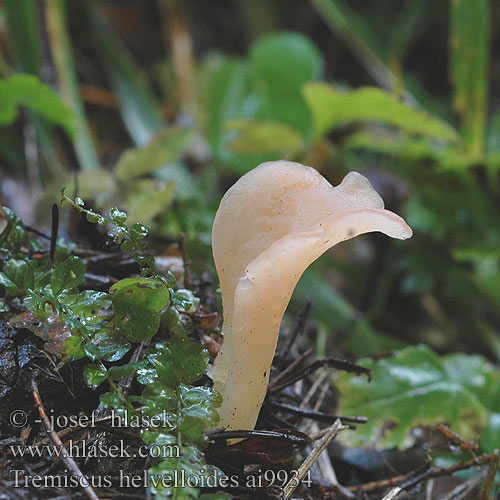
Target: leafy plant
[[103, 327], [418, 387]]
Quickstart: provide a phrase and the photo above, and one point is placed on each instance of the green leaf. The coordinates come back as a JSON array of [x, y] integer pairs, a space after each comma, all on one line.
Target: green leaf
[[226, 92], [417, 387], [199, 411], [112, 344], [29, 91], [257, 137], [74, 348], [332, 108], [67, 275], [178, 360], [112, 399], [10, 287], [166, 147], [117, 215], [12, 277], [91, 350], [122, 372], [491, 436], [86, 304], [284, 62], [94, 375], [137, 303]]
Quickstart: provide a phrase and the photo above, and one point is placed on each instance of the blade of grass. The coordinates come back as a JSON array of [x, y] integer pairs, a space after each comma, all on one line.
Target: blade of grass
[[359, 38], [24, 35], [407, 27], [61, 51], [469, 46], [139, 107]]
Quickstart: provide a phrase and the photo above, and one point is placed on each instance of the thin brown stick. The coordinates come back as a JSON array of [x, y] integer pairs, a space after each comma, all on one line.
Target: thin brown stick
[[490, 477], [311, 458], [393, 493], [188, 280], [431, 472], [67, 459], [289, 369]]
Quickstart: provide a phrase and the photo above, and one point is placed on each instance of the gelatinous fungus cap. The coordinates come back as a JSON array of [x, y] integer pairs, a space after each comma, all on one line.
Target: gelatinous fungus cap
[[270, 226]]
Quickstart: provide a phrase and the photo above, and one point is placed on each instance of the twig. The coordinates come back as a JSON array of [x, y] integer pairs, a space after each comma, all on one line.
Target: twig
[[289, 369], [463, 490], [298, 327], [429, 489], [281, 436], [339, 364], [431, 472], [67, 459], [315, 415], [11, 491], [37, 232], [188, 280], [311, 458], [393, 493], [490, 477], [469, 447]]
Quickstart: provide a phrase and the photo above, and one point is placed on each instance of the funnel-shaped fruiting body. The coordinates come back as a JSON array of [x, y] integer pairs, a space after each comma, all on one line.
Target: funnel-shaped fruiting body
[[271, 225]]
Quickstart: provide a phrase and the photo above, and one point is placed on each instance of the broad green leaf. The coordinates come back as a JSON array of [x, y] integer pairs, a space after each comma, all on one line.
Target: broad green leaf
[[257, 137], [94, 375], [332, 108], [137, 303], [227, 92], [166, 147], [417, 387], [284, 62], [469, 45], [86, 304], [67, 275], [29, 91]]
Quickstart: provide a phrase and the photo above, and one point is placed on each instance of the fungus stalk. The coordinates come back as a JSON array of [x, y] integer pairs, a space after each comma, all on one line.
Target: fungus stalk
[[270, 226]]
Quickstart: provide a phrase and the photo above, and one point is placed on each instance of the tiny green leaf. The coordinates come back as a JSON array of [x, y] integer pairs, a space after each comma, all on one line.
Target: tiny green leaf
[[94, 375], [67, 275], [137, 303]]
